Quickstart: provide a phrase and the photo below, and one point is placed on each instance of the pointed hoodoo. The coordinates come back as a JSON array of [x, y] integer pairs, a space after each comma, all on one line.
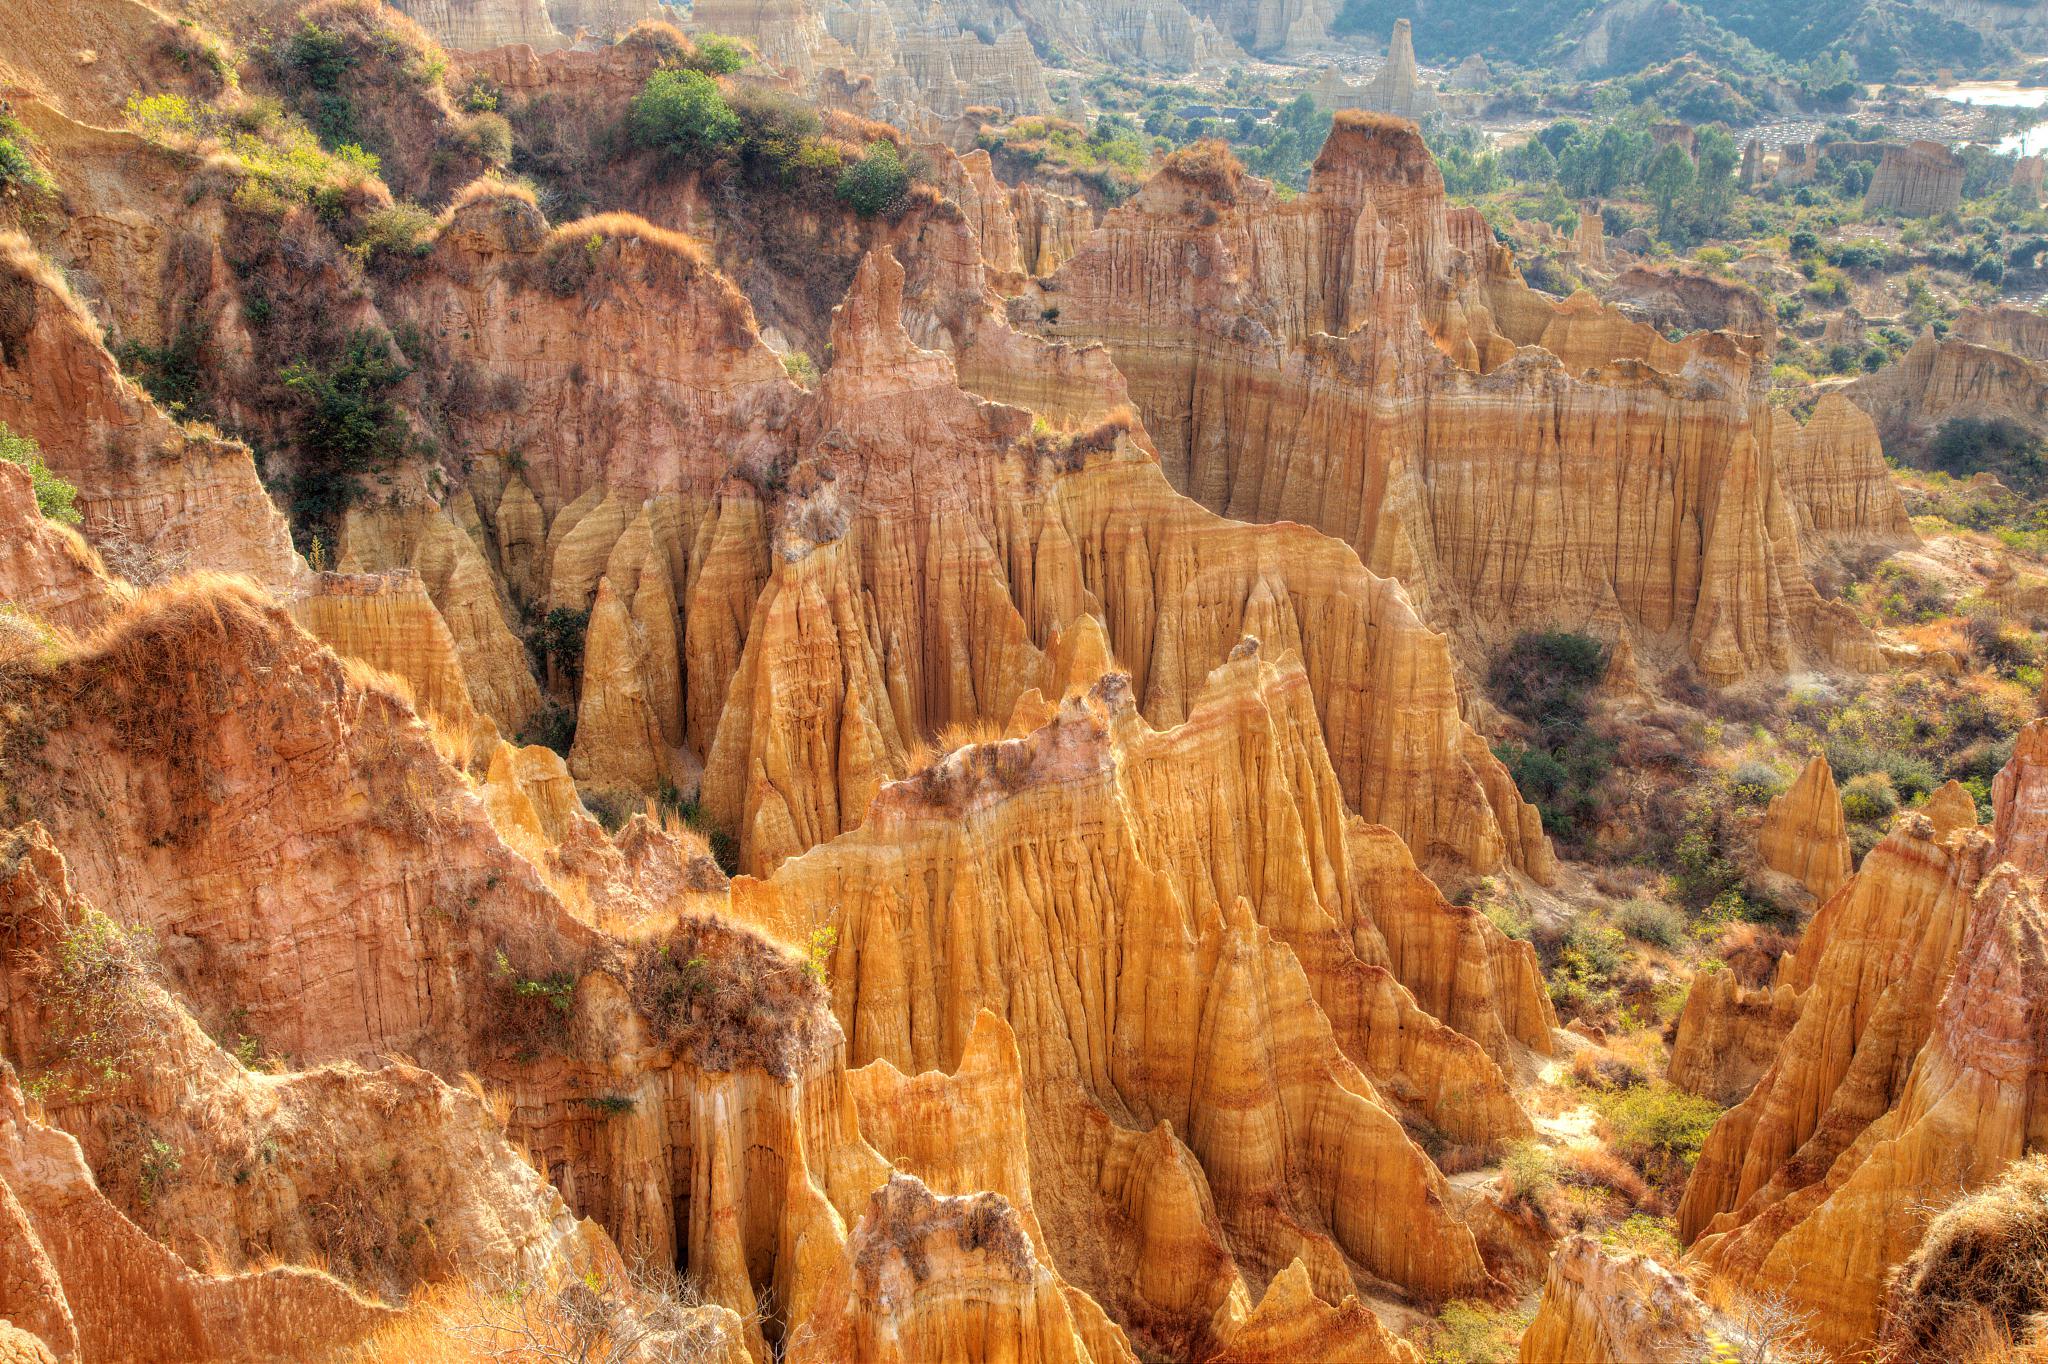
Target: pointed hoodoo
[[1805, 834]]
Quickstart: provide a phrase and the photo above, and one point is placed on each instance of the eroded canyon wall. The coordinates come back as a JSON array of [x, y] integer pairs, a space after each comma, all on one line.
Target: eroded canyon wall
[[1364, 359]]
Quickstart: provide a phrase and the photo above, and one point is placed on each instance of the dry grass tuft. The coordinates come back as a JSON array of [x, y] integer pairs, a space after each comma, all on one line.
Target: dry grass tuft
[[858, 132], [729, 998], [948, 741], [660, 37], [1979, 1281], [492, 189], [990, 763], [632, 227], [1592, 1168], [595, 1319], [497, 1104], [1208, 166], [1367, 121], [1752, 951]]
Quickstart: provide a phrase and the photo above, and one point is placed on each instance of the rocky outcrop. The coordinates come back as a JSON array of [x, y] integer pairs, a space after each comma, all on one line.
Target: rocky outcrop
[[1834, 472], [166, 497], [46, 569], [1918, 180], [1589, 241], [1395, 88], [1804, 833], [325, 888], [448, 562], [1279, 28], [1614, 1307], [1272, 932], [1729, 1034], [1158, 33], [478, 24], [1668, 297], [387, 621], [1364, 359], [1109, 539], [84, 1282], [1939, 379], [604, 20], [221, 1165], [1023, 231], [2022, 331], [788, 33], [930, 1277], [1292, 1323], [1905, 1078]]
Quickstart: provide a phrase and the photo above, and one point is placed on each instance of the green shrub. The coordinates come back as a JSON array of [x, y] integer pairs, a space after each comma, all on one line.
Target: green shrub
[[321, 56], [1702, 874], [1546, 680], [801, 369], [2004, 646], [93, 984], [173, 373], [1645, 1235], [159, 116], [779, 139], [55, 498], [552, 726], [1754, 783], [159, 1161], [1656, 1128], [1528, 1173], [403, 229], [1590, 958], [488, 137], [1511, 922], [1476, 1333], [346, 425], [1968, 445], [530, 1010], [1543, 677], [683, 114], [1870, 799], [561, 638], [1651, 921], [480, 96], [876, 185], [18, 169], [718, 55]]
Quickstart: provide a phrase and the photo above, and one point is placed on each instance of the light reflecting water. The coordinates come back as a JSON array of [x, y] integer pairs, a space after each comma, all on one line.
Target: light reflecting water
[[2009, 95]]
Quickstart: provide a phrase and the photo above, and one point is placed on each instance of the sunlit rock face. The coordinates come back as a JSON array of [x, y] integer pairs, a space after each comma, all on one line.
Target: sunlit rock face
[[1364, 358]]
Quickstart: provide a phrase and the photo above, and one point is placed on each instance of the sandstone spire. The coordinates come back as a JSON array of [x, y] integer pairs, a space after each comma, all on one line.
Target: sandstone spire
[[1920, 1011], [1804, 833], [1613, 1307], [1374, 337]]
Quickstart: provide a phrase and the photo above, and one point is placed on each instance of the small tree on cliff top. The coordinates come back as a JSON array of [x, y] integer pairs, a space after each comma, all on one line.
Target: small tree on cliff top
[[684, 114]]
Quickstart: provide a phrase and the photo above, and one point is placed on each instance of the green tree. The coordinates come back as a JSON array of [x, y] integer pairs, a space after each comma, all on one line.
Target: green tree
[[1558, 135], [1669, 180], [347, 425], [1532, 163], [1718, 158], [684, 114], [877, 183], [718, 55], [1619, 157], [321, 55]]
